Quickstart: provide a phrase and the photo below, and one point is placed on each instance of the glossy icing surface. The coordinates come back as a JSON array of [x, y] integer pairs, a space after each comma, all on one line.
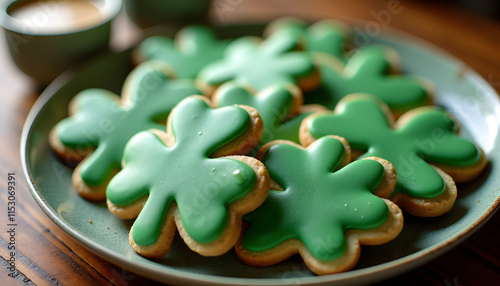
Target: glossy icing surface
[[318, 204], [273, 104], [324, 36], [104, 123], [429, 136], [259, 65], [367, 71], [202, 187], [193, 48]]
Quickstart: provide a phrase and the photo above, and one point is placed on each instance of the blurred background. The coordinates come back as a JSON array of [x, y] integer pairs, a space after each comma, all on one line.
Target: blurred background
[[442, 23]]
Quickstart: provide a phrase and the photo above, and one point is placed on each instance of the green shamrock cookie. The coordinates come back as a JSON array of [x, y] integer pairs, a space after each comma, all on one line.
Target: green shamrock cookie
[[103, 122], [257, 64], [369, 71], [321, 205], [183, 184], [422, 136], [194, 47], [278, 106], [326, 36]]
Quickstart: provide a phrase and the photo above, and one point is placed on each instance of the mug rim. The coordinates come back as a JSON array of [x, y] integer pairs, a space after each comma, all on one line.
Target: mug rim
[[109, 10]]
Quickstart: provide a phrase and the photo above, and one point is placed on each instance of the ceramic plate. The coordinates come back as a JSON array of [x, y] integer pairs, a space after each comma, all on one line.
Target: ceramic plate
[[459, 89]]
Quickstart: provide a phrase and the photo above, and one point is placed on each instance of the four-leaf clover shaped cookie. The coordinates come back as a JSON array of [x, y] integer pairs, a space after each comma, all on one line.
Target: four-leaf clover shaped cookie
[[191, 179], [193, 48], [101, 123], [260, 63], [322, 209], [371, 69], [422, 145]]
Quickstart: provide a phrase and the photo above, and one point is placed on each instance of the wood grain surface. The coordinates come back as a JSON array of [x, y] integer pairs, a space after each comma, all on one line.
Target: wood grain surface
[[46, 255]]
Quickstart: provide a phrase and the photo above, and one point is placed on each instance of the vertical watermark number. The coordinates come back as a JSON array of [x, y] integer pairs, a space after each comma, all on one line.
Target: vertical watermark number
[[11, 222]]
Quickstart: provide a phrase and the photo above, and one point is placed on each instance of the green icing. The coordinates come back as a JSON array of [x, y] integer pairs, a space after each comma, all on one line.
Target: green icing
[[194, 48], [367, 72], [318, 204], [325, 36], [201, 186], [273, 104], [427, 137], [103, 123], [289, 129], [260, 65]]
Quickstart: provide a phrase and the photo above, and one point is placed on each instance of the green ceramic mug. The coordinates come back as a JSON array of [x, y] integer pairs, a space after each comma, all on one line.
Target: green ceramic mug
[[47, 37]]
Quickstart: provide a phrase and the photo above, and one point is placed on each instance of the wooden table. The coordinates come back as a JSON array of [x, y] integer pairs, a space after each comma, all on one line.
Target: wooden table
[[47, 255]]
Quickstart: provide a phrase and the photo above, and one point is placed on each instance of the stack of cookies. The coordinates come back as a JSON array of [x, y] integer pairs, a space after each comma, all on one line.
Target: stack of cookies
[[293, 143]]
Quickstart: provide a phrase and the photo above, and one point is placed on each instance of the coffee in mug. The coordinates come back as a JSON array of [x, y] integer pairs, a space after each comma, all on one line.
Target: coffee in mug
[[57, 16]]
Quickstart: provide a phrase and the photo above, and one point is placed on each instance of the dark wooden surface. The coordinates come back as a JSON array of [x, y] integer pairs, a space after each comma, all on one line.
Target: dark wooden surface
[[47, 255]]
